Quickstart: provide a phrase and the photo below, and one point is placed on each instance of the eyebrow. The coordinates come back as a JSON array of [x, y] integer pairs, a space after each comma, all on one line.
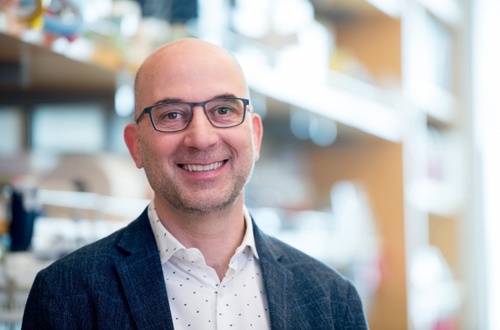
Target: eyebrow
[[175, 100]]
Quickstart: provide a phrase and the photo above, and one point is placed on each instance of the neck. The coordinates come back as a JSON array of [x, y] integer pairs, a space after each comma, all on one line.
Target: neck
[[215, 234]]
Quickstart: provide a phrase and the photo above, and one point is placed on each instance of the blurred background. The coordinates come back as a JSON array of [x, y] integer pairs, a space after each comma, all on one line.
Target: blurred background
[[380, 153]]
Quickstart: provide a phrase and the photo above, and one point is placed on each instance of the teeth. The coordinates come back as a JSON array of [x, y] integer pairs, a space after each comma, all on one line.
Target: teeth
[[202, 168]]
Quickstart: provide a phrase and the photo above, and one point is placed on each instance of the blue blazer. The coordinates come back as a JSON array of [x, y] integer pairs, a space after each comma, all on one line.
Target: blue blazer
[[117, 283]]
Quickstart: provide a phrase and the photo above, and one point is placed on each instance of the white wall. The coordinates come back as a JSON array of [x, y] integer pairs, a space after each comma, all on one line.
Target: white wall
[[486, 111]]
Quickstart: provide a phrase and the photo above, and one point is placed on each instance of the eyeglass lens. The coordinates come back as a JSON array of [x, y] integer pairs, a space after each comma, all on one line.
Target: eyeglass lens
[[176, 116]]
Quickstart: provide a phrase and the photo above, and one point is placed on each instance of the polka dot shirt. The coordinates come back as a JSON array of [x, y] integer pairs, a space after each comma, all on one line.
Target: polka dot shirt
[[197, 298]]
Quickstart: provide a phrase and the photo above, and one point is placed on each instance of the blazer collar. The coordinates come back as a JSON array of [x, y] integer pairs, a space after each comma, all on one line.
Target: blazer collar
[[141, 275]]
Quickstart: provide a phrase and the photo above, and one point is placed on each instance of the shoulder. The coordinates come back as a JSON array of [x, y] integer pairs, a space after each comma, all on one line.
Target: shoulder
[[306, 274], [311, 286], [298, 262], [86, 262], [305, 269], [66, 293], [99, 258], [288, 256]]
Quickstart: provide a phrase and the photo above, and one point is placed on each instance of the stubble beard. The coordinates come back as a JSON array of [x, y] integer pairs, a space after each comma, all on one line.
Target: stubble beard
[[181, 200]]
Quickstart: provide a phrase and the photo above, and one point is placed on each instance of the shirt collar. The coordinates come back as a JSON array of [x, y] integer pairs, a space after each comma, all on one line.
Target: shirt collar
[[167, 244]]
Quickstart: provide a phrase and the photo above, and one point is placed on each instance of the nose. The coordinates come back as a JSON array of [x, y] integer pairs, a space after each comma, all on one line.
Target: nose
[[200, 133]]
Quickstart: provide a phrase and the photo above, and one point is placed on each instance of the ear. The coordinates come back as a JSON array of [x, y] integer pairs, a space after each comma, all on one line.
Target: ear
[[131, 136], [258, 130]]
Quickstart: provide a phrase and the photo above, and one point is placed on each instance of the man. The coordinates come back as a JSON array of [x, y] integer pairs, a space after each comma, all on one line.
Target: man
[[195, 258]]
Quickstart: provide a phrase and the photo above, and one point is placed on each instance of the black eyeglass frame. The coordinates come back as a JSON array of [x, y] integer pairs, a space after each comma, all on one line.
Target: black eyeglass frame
[[246, 103]]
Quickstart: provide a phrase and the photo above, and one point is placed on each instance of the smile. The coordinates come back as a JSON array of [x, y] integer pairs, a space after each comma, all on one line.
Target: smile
[[202, 168]]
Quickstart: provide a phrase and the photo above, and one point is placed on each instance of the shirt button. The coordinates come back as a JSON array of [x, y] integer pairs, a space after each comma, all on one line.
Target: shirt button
[[192, 256]]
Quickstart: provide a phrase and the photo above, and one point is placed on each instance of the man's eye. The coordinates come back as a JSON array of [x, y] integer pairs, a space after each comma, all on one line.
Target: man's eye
[[172, 115], [223, 110]]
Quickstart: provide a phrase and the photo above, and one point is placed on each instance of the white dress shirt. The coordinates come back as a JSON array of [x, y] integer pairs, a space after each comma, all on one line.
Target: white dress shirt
[[197, 298]]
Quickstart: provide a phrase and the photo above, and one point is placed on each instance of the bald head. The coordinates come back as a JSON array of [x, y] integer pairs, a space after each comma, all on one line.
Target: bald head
[[184, 68]]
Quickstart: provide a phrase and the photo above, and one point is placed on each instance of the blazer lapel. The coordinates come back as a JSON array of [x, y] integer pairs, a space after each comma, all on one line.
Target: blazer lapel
[[141, 276], [279, 283]]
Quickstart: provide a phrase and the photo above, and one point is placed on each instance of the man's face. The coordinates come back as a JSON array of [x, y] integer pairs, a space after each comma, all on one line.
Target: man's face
[[201, 168]]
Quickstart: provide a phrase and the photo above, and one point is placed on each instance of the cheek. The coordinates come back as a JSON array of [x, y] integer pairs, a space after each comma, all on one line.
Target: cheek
[[150, 152], [155, 152]]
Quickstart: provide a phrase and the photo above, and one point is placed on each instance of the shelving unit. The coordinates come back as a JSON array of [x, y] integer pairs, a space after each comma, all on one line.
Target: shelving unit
[[374, 40], [436, 166], [343, 106], [33, 76], [32, 73]]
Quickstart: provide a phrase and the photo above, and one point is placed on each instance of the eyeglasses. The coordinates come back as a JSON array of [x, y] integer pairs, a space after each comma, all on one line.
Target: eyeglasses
[[171, 117]]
